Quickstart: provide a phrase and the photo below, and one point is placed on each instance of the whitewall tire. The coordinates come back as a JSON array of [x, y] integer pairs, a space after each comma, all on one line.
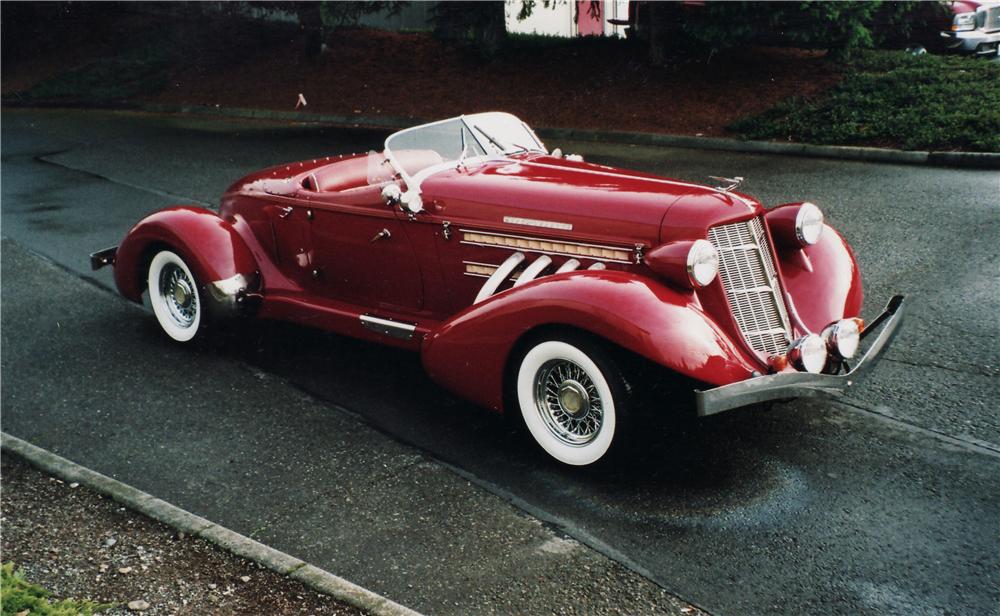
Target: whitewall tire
[[174, 295], [569, 400]]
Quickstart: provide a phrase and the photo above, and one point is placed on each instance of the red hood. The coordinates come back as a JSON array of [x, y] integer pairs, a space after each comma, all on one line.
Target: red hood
[[967, 6], [599, 201]]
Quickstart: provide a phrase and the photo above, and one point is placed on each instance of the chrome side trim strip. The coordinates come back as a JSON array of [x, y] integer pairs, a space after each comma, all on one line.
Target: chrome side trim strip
[[480, 270], [532, 271], [387, 327], [501, 274], [531, 222], [547, 246]]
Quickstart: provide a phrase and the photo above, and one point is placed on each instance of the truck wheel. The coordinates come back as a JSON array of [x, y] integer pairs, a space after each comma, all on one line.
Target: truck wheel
[[173, 293], [572, 397]]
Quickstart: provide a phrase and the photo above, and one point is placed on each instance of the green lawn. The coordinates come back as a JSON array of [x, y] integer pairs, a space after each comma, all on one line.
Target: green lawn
[[895, 99]]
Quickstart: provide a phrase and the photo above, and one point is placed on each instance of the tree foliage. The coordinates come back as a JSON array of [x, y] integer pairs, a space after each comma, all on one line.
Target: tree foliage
[[481, 24], [669, 29], [841, 27]]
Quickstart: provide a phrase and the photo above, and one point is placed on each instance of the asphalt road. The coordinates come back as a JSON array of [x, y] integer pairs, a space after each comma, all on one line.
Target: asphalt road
[[886, 502]]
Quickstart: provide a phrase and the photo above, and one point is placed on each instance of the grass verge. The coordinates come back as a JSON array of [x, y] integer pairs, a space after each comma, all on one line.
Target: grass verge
[[894, 99]]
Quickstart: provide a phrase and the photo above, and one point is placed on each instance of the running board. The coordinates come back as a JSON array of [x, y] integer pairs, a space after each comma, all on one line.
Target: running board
[[388, 327]]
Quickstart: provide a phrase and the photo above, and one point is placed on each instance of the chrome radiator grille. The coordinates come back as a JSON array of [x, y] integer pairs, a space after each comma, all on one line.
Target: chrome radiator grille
[[992, 19], [747, 272]]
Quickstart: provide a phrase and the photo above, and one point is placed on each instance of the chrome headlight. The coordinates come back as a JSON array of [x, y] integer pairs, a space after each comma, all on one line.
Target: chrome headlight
[[842, 338], [702, 263], [808, 354], [964, 22], [808, 224]]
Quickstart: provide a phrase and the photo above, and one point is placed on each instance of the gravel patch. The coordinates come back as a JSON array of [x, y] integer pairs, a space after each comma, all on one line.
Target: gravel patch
[[80, 544]]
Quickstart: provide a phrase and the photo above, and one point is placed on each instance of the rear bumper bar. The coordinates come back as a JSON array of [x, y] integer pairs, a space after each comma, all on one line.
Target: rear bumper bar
[[802, 384], [103, 257]]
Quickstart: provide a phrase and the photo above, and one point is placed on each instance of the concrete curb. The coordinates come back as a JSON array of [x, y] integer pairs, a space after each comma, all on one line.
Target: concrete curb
[[231, 541], [968, 160], [964, 160]]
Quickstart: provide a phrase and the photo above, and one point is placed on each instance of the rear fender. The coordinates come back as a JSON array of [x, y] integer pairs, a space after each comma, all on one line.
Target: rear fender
[[468, 354], [208, 244]]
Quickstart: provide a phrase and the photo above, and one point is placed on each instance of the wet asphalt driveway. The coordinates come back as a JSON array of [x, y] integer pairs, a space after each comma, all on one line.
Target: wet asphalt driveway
[[887, 502]]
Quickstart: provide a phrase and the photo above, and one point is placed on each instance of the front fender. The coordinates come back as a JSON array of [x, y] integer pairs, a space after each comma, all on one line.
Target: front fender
[[209, 245], [468, 353], [822, 282]]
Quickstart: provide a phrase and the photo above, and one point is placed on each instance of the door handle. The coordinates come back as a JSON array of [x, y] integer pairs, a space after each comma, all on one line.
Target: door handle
[[285, 212], [381, 235]]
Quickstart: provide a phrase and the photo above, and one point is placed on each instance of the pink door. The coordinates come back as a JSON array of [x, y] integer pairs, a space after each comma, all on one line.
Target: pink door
[[590, 17]]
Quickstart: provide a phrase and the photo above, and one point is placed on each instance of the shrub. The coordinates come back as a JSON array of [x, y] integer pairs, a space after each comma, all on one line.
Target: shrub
[[894, 98], [17, 595]]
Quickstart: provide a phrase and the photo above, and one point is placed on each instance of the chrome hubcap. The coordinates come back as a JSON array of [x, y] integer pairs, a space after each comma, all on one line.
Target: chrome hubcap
[[568, 402], [177, 291]]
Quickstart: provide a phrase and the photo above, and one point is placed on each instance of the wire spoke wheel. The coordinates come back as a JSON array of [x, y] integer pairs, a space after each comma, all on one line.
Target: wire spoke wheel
[[565, 391], [174, 296], [177, 293], [568, 402]]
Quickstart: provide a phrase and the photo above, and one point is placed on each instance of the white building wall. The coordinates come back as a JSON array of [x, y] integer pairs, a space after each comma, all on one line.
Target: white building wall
[[558, 19], [554, 20]]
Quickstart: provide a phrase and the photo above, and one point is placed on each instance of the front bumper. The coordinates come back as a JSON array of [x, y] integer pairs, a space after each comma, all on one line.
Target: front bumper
[[802, 384], [978, 42]]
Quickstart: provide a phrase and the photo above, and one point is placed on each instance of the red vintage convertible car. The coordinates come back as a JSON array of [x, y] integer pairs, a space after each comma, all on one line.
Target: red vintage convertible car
[[523, 277]]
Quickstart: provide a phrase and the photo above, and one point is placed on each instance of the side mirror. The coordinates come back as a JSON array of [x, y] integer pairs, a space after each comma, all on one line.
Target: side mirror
[[392, 194]]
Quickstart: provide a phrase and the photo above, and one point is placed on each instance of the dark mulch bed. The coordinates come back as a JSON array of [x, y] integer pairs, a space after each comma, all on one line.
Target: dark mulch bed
[[580, 83]]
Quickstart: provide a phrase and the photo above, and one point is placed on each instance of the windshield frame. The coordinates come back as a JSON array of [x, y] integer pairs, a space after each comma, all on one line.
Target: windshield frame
[[490, 145]]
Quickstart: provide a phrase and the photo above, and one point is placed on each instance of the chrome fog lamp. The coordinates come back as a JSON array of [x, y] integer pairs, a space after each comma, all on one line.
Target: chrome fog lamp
[[808, 224], [808, 354], [702, 263], [842, 338]]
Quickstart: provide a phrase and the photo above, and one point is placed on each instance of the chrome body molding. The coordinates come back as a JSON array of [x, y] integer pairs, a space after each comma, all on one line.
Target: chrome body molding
[[547, 246], [532, 271], [532, 222], [498, 276], [481, 270], [388, 327], [801, 384], [227, 296], [569, 266]]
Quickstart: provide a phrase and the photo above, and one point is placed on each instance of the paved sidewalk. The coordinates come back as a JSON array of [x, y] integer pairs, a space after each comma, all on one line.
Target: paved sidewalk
[[98, 384]]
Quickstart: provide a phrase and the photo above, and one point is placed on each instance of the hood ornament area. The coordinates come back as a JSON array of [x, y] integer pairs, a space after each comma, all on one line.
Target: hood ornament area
[[728, 184]]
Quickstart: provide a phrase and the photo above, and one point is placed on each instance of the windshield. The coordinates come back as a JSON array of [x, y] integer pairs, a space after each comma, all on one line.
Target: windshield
[[457, 140]]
